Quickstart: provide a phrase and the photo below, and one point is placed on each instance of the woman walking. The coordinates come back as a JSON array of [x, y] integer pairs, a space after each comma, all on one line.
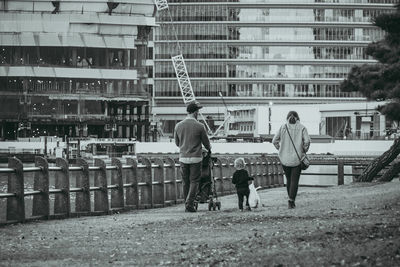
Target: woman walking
[[292, 141]]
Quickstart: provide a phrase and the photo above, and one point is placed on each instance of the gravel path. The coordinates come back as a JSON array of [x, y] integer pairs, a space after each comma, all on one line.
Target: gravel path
[[350, 225]]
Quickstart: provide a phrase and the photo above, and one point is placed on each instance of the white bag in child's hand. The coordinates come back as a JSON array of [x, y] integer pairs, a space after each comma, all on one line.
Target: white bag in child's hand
[[254, 198]]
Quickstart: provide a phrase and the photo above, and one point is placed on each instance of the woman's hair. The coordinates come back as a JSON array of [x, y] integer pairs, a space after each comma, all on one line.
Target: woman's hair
[[292, 116], [239, 164]]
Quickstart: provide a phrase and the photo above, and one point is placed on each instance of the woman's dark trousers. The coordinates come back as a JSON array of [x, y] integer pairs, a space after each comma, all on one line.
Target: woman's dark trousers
[[191, 174], [292, 177], [243, 192]]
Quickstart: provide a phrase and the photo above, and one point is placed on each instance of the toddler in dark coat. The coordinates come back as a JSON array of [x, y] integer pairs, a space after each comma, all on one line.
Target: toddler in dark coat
[[241, 180]]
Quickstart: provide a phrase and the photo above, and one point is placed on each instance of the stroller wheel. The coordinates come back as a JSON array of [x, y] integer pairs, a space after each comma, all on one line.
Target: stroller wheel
[[218, 205], [210, 205]]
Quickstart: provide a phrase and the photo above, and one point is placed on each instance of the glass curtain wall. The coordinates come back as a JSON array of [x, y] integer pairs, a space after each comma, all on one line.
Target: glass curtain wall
[[264, 48]]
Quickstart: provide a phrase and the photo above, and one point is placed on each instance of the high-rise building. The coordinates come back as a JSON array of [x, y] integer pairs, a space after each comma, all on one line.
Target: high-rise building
[[258, 52], [76, 68]]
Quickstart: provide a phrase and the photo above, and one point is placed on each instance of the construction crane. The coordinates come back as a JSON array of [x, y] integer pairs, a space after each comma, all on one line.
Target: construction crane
[[181, 70], [161, 4]]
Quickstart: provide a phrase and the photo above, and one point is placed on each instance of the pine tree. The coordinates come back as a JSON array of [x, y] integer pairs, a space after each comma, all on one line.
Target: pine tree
[[381, 82]]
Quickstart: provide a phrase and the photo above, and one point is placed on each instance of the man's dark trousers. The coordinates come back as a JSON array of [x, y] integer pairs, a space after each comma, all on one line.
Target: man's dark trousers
[[191, 174]]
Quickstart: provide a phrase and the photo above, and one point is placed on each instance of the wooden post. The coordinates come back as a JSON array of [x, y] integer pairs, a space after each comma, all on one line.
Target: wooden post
[[16, 205], [62, 202], [217, 174], [264, 172], [340, 172], [231, 171], [280, 173], [248, 166], [100, 180], [258, 171], [117, 194], [170, 182], [226, 181], [158, 184], [145, 185], [82, 200], [275, 161], [41, 203], [270, 173], [132, 192], [179, 183]]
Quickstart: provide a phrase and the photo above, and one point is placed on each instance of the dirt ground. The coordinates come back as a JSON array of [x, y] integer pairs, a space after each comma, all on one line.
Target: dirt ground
[[350, 225]]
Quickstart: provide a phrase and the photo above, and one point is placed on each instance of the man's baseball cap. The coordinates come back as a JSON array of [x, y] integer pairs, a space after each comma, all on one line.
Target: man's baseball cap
[[193, 107]]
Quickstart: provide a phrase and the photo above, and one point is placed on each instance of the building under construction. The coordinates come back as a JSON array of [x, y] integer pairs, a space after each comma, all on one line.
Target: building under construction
[[76, 68]]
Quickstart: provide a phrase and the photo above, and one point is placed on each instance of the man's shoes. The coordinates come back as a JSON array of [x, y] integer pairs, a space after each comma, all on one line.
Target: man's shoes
[[190, 209], [248, 208], [291, 204]]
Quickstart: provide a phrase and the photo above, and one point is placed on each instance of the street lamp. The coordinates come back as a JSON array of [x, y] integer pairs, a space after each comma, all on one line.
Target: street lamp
[[269, 116]]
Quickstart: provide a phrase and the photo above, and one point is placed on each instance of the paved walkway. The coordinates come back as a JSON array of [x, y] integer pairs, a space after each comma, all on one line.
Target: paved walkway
[[347, 225]]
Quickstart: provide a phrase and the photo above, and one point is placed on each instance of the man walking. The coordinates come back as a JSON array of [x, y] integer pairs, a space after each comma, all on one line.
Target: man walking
[[189, 135]]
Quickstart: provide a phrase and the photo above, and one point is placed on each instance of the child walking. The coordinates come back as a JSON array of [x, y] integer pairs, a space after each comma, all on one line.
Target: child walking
[[241, 181]]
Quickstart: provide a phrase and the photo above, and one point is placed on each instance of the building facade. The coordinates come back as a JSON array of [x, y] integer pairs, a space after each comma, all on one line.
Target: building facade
[[76, 68], [256, 52]]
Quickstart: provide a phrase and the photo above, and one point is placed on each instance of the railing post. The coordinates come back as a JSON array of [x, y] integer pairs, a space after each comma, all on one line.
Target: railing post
[[41, 203], [270, 172], [62, 201], [280, 172], [100, 180], [226, 181], [82, 200], [264, 172], [217, 174], [356, 170], [258, 171], [248, 166], [179, 183], [158, 184], [170, 182], [340, 172], [145, 185], [132, 192], [232, 169], [274, 165], [117, 194], [16, 205]]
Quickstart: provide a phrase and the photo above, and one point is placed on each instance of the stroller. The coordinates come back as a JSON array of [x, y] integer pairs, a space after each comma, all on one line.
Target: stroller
[[207, 192]]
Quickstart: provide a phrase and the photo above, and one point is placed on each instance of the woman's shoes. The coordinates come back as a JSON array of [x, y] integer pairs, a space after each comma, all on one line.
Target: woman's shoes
[[291, 204]]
